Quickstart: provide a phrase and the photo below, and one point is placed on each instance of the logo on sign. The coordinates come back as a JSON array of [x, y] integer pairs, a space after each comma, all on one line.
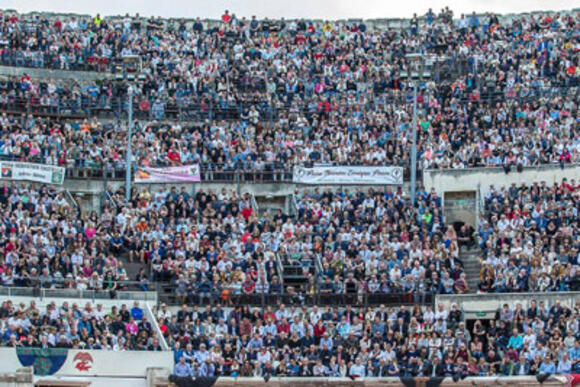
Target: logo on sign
[[83, 361]]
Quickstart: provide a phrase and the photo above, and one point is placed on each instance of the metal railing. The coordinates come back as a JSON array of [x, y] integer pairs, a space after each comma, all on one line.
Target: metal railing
[[219, 173], [233, 297], [228, 174], [110, 199], [280, 269], [151, 316], [206, 107], [254, 203], [318, 265], [209, 172], [54, 61], [490, 302], [73, 201], [44, 293], [293, 205]]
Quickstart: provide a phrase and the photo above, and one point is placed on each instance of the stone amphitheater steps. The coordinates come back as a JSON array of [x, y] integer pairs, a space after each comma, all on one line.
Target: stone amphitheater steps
[[471, 266], [132, 267]]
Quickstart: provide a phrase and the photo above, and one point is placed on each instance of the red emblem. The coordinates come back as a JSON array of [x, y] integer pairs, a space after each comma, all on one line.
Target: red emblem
[[83, 361]]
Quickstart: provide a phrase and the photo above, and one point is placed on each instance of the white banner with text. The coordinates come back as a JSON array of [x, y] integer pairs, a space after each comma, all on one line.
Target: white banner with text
[[49, 174], [348, 175]]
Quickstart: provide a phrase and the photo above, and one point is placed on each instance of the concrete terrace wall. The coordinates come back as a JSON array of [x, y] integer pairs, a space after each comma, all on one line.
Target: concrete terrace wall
[[107, 304], [38, 73], [488, 303], [453, 180], [92, 189], [111, 364], [377, 382]]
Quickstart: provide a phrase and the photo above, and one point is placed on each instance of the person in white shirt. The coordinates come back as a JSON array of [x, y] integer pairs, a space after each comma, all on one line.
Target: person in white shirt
[[564, 365], [281, 312], [221, 329], [428, 315], [389, 354], [529, 339], [441, 313], [315, 315], [319, 369], [163, 312], [264, 356], [503, 223], [201, 355], [262, 286]]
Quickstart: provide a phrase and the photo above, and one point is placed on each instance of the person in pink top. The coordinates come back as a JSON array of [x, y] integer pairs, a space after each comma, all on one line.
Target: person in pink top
[[132, 327]]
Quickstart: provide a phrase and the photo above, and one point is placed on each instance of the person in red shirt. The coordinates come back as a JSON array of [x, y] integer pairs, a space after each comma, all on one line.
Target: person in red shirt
[[174, 156], [319, 330], [566, 186], [226, 18], [284, 327], [248, 286], [246, 236], [269, 315], [247, 212]]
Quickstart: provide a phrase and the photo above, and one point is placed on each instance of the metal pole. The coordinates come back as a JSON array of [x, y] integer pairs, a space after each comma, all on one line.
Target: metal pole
[[105, 173], [414, 147], [128, 171]]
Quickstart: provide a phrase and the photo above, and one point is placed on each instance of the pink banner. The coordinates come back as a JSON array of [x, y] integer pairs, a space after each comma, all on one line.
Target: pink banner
[[182, 174]]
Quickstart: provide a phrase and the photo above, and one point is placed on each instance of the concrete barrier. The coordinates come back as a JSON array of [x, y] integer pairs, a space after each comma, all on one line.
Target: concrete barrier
[[98, 363], [18, 377], [488, 303], [377, 382], [469, 179], [41, 73], [41, 303]]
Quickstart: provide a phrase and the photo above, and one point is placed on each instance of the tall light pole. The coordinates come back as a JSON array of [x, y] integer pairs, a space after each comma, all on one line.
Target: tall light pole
[[414, 146], [129, 172], [417, 61]]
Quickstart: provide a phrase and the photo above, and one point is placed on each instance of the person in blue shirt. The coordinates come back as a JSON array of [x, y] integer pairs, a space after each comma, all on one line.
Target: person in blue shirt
[[137, 312], [201, 355], [575, 356], [255, 343], [430, 16], [564, 365], [378, 326], [516, 341], [474, 21], [86, 324], [207, 369], [357, 369], [182, 368], [343, 327], [547, 366], [293, 368], [326, 340], [177, 353]]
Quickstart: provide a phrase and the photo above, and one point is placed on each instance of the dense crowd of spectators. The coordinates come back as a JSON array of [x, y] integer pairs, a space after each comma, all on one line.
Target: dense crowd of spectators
[[290, 341], [343, 92], [46, 243], [345, 241], [375, 242], [274, 92], [76, 327], [205, 243], [270, 94], [529, 236]]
